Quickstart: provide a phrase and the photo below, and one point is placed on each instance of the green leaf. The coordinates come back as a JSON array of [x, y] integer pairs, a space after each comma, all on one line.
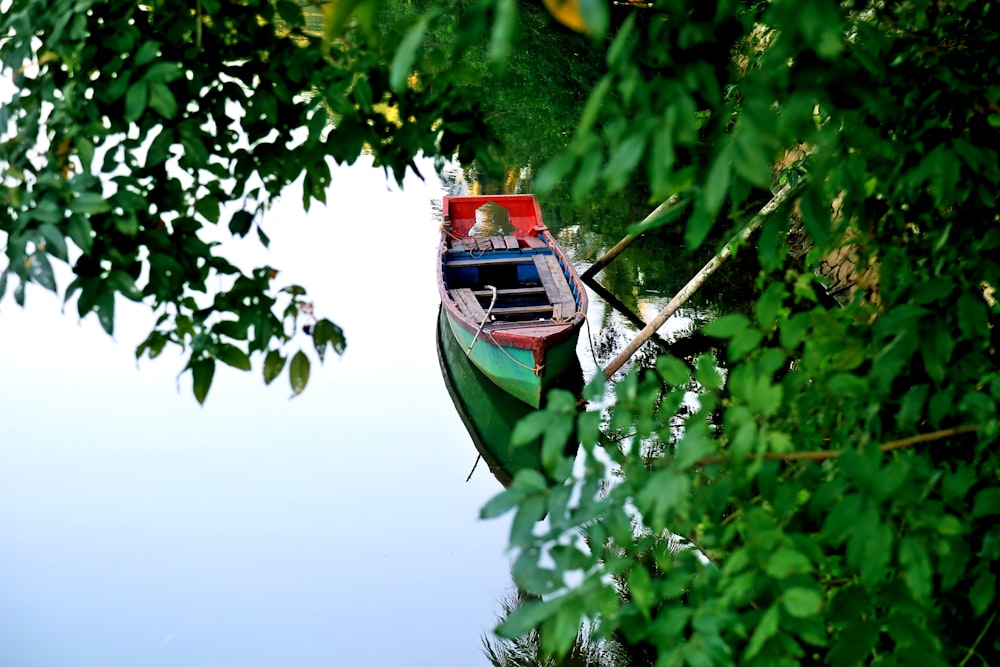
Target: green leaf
[[751, 158], [162, 100], [119, 281], [530, 428], [526, 618], [290, 12], [529, 512], [973, 318], [936, 346], [854, 644], [40, 271], [327, 334], [105, 306], [233, 356], [135, 101], [692, 446], [766, 628], [987, 503], [743, 343], [727, 326], [640, 588], [163, 72], [530, 481], [55, 242], [623, 45], [274, 362], [848, 386], [786, 562], [89, 203], [298, 372], [557, 434], [504, 26], [406, 56], [586, 175], [153, 345], [768, 306], [717, 181], [624, 158], [673, 371], [202, 372], [802, 602], [146, 53], [127, 224], [793, 331], [208, 208], [949, 525], [816, 215], [500, 504], [532, 577], [240, 223], [589, 114], [707, 373], [596, 15], [983, 591], [917, 565], [553, 171], [159, 149]]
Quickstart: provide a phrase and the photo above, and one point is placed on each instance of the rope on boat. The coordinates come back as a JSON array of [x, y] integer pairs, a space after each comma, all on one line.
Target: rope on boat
[[537, 369], [486, 318]]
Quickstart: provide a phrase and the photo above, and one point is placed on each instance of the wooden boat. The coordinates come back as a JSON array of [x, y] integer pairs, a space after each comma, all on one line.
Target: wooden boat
[[511, 297], [489, 413]]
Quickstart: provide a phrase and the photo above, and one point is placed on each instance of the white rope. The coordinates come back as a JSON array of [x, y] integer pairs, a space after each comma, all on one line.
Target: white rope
[[485, 319]]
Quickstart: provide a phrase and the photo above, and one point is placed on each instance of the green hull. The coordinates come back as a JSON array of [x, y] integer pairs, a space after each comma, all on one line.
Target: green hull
[[490, 413], [513, 369]]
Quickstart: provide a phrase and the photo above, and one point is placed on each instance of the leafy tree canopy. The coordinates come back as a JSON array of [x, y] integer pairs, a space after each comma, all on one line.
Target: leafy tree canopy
[[136, 125], [823, 490]]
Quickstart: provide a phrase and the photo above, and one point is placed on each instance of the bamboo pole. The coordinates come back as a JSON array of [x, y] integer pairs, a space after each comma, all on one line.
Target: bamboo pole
[[696, 282], [625, 311], [619, 247]]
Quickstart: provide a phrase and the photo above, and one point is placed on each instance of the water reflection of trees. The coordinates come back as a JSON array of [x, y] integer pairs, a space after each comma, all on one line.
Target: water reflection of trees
[[526, 651], [533, 107]]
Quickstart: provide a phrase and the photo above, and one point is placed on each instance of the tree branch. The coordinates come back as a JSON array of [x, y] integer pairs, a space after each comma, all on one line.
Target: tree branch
[[830, 454]]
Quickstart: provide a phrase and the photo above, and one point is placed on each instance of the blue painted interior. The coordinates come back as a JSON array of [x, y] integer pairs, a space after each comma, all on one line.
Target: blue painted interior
[[510, 275]]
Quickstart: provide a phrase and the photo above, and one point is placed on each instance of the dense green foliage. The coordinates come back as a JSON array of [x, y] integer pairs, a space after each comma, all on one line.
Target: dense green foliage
[[837, 464], [134, 126], [824, 490]]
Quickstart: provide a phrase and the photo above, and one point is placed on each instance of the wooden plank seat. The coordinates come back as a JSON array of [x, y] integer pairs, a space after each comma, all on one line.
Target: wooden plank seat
[[477, 244], [516, 291], [553, 280], [468, 303]]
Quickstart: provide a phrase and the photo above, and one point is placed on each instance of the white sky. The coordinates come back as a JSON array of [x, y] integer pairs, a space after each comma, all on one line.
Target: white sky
[[137, 528]]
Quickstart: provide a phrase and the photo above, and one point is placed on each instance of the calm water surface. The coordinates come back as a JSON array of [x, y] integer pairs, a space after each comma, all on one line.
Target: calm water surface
[[338, 528], [137, 528]]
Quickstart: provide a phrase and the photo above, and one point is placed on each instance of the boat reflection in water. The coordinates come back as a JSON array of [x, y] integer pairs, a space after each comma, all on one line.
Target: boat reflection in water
[[488, 412]]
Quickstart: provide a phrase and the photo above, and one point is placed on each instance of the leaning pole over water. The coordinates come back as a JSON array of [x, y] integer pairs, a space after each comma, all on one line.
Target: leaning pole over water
[[619, 247], [697, 281]]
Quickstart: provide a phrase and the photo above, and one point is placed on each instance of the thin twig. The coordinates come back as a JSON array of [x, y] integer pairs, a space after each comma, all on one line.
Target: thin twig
[[972, 649], [830, 454], [473, 467], [197, 37]]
